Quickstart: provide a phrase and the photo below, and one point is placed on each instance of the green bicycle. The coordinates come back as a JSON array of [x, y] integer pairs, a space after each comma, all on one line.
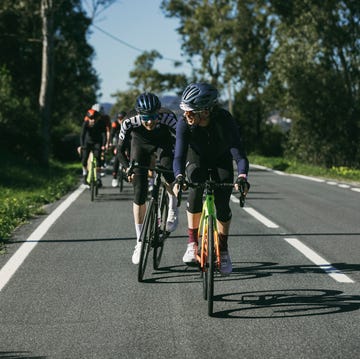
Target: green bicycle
[[92, 176], [208, 256]]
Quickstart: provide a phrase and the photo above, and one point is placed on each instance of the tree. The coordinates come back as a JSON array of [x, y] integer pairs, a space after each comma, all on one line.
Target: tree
[[47, 79], [317, 63], [146, 78]]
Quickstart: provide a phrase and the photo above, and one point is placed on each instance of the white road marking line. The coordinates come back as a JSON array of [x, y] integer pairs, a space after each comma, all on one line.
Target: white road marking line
[[307, 178], [315, 179], [12, 265], [319, 261], [260, 217]]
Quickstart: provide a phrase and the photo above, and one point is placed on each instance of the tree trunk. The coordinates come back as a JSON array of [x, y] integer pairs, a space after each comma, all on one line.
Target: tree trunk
[[45, 95]]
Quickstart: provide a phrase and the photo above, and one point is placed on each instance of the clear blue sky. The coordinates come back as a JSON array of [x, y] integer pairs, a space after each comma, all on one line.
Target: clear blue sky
[[141, 24]]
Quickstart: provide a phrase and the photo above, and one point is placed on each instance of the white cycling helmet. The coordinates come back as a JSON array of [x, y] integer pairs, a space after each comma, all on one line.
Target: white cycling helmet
[[97, 107]]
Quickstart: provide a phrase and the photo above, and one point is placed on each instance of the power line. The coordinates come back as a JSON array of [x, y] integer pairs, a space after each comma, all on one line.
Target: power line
[[127, 44]]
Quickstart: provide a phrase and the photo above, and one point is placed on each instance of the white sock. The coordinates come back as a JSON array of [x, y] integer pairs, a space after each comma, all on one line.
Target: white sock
[[172, 201], [138, 228]]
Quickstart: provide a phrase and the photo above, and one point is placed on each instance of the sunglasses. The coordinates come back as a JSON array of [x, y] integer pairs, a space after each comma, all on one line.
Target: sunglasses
[[193, 113], [151, 117]]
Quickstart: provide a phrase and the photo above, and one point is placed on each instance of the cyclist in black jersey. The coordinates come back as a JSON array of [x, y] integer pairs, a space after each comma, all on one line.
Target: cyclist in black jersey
[[92, 138], [152, 129], [207, 137], [114, 139]]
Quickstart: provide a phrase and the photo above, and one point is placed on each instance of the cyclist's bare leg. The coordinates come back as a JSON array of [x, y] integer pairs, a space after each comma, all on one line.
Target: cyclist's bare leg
[[139, 214], [193, 219], [223, 229]]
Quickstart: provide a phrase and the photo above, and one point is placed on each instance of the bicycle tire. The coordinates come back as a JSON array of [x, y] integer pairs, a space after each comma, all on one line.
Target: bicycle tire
[[92, 183], [211, 266], [121, 179], [203, 256], [159, 239], [146, 238]]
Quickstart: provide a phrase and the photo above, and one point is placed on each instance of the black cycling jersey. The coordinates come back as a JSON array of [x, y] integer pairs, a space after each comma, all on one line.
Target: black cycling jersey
[[143, 143], [211, 143], [159, 136], [93, 134]]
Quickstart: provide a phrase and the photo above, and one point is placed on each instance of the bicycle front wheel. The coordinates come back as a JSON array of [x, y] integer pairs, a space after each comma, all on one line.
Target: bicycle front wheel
[[162, 234], [211, 266], [92, 183], [146, 238], [121, 179]]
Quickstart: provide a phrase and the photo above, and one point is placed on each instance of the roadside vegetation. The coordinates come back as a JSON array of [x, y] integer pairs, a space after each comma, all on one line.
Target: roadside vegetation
[[340, 173], [25, 187]]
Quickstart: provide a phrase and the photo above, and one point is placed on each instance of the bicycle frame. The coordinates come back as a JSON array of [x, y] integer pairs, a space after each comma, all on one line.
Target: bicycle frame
[[92, 175], [207, 211]]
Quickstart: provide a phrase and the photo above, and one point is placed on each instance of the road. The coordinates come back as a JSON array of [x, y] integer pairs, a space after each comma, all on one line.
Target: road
[[294, 291]]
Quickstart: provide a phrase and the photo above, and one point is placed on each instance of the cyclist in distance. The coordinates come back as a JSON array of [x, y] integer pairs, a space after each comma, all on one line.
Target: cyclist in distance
[[114, 139], [152, 129], [92, 138], [207, 137]]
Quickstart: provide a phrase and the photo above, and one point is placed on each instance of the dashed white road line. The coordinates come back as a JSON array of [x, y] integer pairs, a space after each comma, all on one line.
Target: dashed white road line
[[319, 261], [302, 248], [12, 265]]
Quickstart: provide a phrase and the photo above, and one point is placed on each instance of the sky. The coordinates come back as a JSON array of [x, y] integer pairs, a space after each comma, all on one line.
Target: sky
[[141, 25]]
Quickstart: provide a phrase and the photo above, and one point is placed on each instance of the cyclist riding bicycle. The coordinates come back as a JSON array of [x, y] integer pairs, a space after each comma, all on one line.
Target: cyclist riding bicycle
[[152, 129], [92, 138], [114, 140], [207, 137]]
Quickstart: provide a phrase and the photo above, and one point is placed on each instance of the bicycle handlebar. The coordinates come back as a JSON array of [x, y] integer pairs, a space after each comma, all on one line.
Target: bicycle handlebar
[[214, 184], [135, 164]]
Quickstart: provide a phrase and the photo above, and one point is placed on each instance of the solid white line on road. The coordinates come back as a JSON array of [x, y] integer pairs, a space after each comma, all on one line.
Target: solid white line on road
[[319, 261], [20, 255]]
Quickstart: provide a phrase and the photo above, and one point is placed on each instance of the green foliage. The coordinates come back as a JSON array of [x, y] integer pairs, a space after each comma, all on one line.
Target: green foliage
[[25, 187], [294, 166], [75, 81]]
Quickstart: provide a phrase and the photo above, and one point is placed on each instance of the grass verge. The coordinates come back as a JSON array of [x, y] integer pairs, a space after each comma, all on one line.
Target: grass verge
[[25, 187], [291, 166]]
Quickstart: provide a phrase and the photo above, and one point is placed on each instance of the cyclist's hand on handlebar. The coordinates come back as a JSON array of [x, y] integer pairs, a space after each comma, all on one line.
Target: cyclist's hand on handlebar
[[129, 173], [178, 186], [242, 185]]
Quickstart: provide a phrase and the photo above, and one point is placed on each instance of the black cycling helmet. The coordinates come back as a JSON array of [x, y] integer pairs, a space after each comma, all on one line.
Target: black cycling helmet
[[147, 103], [121, 114], [198, 96]]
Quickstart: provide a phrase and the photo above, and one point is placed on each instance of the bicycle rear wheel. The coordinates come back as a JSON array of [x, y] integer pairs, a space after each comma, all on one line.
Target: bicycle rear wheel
[[159, 240], [146, 238], [211, 266], [92, 182]]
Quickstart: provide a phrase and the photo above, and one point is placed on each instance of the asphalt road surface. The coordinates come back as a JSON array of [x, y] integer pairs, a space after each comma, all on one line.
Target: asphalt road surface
[[68, 288]]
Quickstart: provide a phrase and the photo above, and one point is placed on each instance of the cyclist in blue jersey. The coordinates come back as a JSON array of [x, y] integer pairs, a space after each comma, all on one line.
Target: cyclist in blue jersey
[[207, 137], [151, 129]]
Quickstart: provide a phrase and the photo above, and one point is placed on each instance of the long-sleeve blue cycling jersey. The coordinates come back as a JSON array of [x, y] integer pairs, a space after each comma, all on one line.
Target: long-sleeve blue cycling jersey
[[212, 142]]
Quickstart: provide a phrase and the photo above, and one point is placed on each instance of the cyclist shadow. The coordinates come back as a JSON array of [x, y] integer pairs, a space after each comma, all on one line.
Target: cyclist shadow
[[174, 275], [286, 303], [192, 274]]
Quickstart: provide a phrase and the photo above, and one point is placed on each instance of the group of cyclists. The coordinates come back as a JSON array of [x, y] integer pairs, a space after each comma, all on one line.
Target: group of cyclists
[[205, 137]]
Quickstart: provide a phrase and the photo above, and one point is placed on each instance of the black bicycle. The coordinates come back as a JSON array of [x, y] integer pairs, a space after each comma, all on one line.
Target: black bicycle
[[121, 177], [154, 233]]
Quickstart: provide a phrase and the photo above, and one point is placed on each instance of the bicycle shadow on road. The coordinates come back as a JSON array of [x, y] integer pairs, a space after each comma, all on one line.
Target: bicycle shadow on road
[[291, 303], [187, 275]]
